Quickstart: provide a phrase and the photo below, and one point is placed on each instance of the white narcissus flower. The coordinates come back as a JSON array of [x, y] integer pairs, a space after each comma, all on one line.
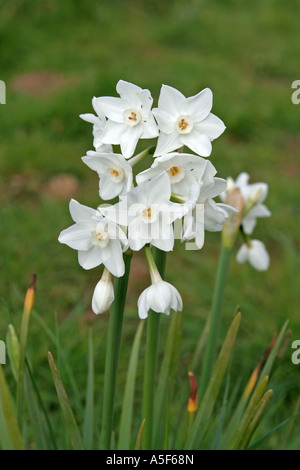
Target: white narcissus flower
[[98, 126], [148, 213], [161, 296], [129, 117], [183, 169], [186, 121], [115, 173], [204, 213], [103, 295], [97, 239], [255, 252], [254, 196]]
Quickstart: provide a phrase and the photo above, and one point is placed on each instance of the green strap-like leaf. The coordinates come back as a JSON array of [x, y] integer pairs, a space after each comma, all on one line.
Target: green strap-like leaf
[[256, 419], [9, 415], [139, 439], [242, 427], [69, 418], [88, 424], [167, 376], [208, 402], [126, 417]]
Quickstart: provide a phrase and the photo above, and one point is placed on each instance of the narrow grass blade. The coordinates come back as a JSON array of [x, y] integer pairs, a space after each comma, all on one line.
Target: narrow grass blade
[[127, 408], [256, 419], [270, 361], [259, 441], [35, 416], [167, 376], [4, 437], [42, 406], [208, 402], [13, 350], [88, 424], [69, 418], [248, 415], [63, 359], [218, 434], [138, 445], [8, 411], [28, 305]]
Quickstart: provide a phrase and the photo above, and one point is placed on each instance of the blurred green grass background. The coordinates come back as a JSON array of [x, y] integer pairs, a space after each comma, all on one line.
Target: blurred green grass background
[[55, 56]]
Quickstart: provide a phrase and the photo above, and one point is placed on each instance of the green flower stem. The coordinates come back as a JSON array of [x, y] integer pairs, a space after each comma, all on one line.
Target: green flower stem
[[151, 358], [137, 158], [215, 318], [112, 353]]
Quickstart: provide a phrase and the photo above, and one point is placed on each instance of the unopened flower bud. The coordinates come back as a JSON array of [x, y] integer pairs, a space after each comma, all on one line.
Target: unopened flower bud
[[103, 295]]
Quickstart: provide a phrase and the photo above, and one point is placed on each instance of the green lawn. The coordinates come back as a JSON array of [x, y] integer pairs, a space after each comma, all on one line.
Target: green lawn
[[55, 56]]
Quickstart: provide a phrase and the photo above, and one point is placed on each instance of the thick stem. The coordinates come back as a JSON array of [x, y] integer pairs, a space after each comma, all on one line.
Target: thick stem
[[112, 354], [215, 318], [151, 360]]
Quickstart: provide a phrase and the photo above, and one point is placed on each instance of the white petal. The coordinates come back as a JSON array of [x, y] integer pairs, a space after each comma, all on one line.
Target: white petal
[[242, 254], [197, 142], [126, 89], [142, 305], [114, 262], [110, 106], [242, 180], [79, 212], [260, 210], [146, 101], [108, 189], [211, 126], [150, 129], [89, 118], [164, 244], [199, 106], [167, 143], [130, 139], [78, 237], [248, 224], [113, 132], [171, 100], [258, 256], [91, 258], [160, 188], [165, 121]]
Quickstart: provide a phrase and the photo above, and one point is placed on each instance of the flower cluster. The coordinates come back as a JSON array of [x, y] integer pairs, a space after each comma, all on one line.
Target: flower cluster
[[253, 196], [177, 187]]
